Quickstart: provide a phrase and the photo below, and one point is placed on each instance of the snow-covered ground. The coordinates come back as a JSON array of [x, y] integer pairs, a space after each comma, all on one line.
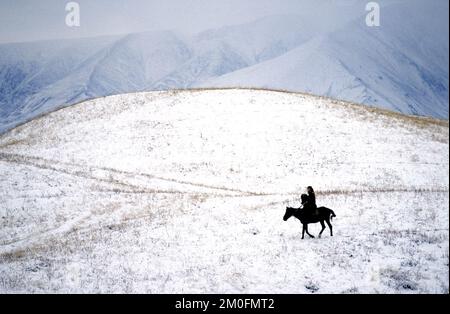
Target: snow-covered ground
[[184, 191]]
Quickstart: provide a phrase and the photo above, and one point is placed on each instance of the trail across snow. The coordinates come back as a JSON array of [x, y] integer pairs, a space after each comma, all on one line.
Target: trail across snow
[[184, 191]]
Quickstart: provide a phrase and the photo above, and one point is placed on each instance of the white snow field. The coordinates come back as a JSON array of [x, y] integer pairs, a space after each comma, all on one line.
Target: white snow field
[[184, 192]]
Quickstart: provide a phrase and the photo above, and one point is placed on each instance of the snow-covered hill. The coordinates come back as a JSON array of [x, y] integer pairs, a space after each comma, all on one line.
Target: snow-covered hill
[[402, 65], [185, 192]]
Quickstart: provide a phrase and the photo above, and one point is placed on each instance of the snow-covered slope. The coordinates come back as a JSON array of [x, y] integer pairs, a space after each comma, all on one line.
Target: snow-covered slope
[[185, 192], [402, 65], [225, 50]]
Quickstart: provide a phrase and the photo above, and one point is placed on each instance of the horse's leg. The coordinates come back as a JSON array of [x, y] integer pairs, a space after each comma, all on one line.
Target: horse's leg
[[323, 228], [329, 225], [303, 232], [308, 232]]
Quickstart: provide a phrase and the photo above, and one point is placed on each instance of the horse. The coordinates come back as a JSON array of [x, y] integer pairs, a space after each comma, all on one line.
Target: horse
[[323, 214]]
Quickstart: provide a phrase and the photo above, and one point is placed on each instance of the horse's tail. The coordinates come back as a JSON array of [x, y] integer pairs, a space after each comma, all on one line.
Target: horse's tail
[[332, 214]]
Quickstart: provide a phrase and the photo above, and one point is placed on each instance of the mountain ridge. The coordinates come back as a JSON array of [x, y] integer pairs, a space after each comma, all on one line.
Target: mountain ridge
[[424, 120]]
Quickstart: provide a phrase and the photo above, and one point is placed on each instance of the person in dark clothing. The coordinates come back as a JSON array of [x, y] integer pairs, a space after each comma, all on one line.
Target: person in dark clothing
[[311, 196], [309, 203]]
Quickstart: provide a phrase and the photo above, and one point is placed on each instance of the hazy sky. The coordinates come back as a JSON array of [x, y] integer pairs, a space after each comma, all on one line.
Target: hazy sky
[[27, 20]]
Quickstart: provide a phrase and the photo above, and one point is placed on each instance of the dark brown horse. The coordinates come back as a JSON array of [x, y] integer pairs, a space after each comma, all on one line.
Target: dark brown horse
[[306, 217]]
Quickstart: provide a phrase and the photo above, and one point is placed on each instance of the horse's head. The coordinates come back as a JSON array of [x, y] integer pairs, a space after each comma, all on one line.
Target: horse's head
[[289, 212]]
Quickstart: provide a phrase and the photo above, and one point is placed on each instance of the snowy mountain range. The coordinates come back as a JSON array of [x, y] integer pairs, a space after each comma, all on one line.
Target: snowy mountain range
[[401, 65]]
